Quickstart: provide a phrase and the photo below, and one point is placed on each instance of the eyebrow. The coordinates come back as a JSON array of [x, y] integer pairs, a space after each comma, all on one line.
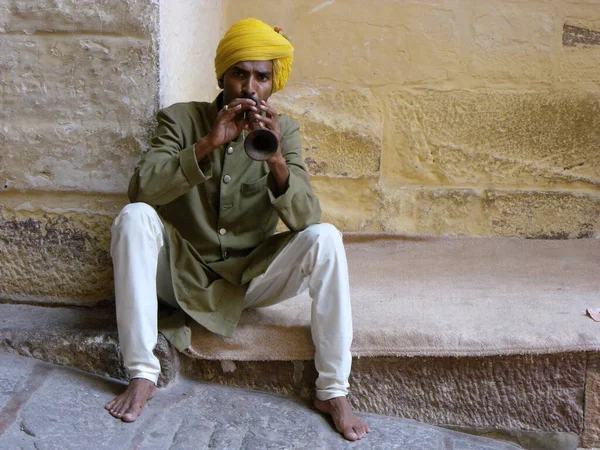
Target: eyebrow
[[265, 73]]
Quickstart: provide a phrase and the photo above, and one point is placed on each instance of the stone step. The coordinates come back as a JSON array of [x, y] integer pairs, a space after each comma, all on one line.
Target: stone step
[[534, 398], [483, 333], [44, 406], [82, 338]]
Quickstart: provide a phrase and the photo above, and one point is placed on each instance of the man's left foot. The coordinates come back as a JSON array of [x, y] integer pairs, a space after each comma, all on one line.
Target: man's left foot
[[346, 422]]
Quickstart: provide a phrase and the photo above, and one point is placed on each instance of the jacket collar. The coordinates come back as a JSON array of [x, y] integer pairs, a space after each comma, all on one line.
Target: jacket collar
[[215, 107]]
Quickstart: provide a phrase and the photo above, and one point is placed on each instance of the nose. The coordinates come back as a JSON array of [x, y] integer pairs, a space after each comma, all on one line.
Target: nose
[[249, 88]]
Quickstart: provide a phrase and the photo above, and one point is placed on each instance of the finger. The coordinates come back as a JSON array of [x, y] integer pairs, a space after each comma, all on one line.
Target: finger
[[242, 101], [261, 118], [238, 105], [229, 115], [264, 106], [263, 121]]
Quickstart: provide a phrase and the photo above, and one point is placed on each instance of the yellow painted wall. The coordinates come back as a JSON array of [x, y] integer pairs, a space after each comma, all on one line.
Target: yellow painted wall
[[446, 117]]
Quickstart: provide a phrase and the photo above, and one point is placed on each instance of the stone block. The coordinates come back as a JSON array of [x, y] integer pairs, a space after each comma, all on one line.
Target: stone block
[[341, 128], [470, 212], [511, 42], [55, 256], [477, 139], [82, 79], [85, 339], [591, 428], [77, 112], [349, 204], [415, 210], [131, 17], [50, 157], [281, 377], [355, 43], [580, 52], [541, 215], [540, 392]]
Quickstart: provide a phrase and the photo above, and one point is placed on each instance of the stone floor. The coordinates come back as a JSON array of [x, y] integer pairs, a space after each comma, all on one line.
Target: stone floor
[[45, 407]]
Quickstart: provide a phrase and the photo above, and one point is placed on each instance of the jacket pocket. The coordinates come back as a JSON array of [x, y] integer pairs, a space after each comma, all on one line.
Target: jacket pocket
[[260, 184]]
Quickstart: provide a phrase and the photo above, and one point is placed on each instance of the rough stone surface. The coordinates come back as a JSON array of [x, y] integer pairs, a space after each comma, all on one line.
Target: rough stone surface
[[350, 204], [358, 44], [574, 36], [580, 54], [591, 428], [471, 212], [544, 392], [56, 247], [56, 258], [79, 91], [85, 339], [118, 17], [341, 128], [475, 100], [279, 377], [92, 93], [59, 408], [542, 215], [497, 53], [481, 138]]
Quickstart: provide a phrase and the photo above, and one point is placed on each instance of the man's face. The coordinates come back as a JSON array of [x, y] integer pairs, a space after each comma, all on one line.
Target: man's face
[[247, 78]]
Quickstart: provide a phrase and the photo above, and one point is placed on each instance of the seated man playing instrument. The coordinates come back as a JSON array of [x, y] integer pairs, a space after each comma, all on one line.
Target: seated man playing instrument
[[200, 233]]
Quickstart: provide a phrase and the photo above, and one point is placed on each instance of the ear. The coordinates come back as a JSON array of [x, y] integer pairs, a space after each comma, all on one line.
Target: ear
[[220, 82]]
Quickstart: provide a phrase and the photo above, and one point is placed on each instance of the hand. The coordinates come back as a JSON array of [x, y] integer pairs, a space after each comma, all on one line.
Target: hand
[[230, 123]]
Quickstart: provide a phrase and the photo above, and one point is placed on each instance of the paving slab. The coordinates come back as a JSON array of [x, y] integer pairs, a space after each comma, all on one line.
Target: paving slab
[[50, 407]]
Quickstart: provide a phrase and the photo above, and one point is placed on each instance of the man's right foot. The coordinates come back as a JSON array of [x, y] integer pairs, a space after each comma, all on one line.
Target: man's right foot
[[129, 404]]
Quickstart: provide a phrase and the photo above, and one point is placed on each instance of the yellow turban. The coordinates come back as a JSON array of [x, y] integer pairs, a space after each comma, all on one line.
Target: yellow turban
[[253, 40]]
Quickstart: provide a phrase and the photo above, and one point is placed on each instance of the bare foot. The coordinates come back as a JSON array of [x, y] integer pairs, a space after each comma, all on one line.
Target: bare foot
[[129, 404], [346, 422]]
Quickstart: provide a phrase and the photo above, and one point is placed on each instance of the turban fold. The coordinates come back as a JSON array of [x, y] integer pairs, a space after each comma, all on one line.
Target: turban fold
[[253, 40]]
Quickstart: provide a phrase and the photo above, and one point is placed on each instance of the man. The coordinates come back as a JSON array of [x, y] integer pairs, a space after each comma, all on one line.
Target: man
[[200, 232]]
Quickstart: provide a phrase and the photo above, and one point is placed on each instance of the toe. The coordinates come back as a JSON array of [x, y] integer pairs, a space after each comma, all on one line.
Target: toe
[[129, 417], [351, 435]]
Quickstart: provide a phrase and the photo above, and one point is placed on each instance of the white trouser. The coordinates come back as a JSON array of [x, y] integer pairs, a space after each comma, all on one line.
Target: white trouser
[[314, 259]]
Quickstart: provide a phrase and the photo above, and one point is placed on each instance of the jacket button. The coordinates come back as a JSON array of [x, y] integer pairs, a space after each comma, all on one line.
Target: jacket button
[[230, 150], [222, 231], [226, 178], [226, 255]]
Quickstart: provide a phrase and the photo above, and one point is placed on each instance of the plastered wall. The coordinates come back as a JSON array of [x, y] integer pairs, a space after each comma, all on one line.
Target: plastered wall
[[449, 117]]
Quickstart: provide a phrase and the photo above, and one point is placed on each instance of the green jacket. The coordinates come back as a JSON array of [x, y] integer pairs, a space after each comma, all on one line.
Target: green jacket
[[221, 230]]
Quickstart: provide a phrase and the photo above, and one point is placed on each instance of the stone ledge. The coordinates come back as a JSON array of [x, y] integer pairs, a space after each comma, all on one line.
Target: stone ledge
[[499, 393], [85, 339], [496, 391]]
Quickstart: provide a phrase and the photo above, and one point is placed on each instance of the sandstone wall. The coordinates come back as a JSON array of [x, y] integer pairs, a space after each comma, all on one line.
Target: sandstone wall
[[453, 117], [79, 92]]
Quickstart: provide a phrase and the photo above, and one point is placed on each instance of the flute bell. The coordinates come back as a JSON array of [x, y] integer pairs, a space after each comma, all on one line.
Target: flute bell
[[260, 144]]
